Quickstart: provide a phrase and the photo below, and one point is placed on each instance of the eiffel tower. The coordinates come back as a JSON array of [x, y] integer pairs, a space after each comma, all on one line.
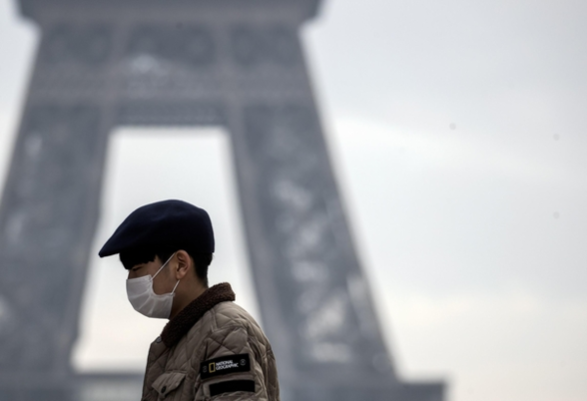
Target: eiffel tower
[[238, 64]]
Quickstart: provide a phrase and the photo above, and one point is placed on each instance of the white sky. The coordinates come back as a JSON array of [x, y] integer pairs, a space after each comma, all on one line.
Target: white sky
[[473, 238]]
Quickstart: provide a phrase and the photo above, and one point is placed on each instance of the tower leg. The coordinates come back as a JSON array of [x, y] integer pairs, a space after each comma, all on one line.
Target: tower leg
[[313, 295], [48, 217]]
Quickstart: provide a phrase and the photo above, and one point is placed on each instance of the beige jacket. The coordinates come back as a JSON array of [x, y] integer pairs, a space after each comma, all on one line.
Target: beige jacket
[[212, 350]]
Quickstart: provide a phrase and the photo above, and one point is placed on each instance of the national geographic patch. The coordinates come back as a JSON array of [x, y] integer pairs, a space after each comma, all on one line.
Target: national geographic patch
[[224, 365]]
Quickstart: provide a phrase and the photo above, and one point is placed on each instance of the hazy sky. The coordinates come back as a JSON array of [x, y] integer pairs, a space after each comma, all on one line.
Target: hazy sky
[[458, 135]]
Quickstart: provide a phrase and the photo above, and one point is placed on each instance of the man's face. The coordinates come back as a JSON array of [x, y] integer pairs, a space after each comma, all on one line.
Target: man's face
[[164, 281]]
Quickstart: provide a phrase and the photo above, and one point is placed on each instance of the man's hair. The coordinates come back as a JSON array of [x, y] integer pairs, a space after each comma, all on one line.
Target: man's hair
[[133, 257]]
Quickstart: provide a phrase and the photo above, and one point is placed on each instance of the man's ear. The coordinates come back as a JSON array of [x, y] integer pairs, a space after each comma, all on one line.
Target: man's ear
[[183, 264]]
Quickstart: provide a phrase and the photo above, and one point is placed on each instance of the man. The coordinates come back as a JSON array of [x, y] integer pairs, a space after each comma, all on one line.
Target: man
[[211, 347]]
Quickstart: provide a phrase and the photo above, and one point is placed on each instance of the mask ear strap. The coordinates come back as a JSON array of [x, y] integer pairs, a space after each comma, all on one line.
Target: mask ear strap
[[176, 284], [164, 264]]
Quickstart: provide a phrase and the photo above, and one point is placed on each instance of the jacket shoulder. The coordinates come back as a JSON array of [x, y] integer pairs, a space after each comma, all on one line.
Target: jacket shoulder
[[229, 314]]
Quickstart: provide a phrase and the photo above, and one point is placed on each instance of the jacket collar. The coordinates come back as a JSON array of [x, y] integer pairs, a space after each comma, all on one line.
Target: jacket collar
[[177, 327]]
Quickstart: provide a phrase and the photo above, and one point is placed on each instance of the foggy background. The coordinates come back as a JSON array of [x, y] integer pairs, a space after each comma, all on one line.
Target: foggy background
[[457, 136]]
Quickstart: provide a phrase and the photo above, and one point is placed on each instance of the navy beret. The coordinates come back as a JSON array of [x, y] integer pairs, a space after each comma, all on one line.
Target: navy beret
[[160, 224]]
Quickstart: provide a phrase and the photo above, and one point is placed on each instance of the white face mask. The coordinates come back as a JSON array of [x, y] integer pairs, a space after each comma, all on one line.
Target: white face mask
[[143, 298]]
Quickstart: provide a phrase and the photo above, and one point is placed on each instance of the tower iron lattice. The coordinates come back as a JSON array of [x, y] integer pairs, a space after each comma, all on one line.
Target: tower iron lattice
[[238, 64]]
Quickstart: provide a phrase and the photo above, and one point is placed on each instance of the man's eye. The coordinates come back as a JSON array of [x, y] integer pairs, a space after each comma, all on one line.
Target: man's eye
[[134, 269]]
